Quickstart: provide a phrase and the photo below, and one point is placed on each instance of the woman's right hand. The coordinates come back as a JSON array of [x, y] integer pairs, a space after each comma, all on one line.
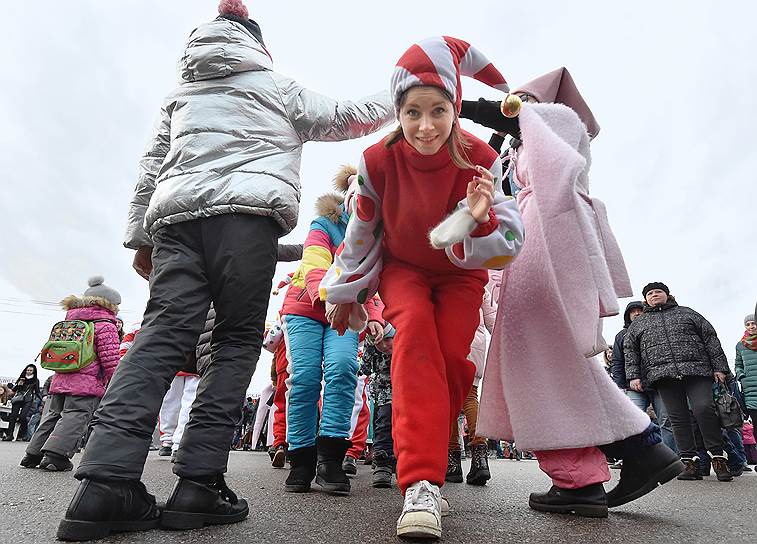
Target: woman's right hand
[[636, 385]]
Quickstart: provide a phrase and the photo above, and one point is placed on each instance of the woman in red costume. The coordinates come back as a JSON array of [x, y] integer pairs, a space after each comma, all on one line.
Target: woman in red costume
[[421, 173]]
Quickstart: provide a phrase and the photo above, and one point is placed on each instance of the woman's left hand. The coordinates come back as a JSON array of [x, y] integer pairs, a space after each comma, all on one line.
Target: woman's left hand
[[340, 320], [720, 377], [480, 195]]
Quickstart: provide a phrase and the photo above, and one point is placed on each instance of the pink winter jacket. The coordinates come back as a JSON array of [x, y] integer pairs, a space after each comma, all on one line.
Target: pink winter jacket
[[91, 380], [747, 434]]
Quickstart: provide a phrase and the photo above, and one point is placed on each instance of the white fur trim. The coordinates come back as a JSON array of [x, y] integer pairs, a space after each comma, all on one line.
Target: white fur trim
[[453, 229]]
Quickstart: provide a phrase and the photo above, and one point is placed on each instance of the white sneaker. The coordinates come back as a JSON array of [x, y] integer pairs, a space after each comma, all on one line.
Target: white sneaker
[[421, 516], [445, 507]]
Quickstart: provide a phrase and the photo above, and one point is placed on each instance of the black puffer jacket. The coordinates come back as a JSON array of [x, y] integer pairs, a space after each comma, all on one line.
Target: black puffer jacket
[[672, 341], [618, 358]]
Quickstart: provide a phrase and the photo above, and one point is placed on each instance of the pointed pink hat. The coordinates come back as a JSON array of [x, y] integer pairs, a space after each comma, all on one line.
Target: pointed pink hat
[[558, 86]]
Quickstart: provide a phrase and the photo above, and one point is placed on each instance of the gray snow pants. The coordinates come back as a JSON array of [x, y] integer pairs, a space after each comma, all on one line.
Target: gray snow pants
[[227, 259], [63, 424]]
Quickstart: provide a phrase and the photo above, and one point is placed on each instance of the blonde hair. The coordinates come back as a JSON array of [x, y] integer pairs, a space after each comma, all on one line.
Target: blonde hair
[[457, 143]]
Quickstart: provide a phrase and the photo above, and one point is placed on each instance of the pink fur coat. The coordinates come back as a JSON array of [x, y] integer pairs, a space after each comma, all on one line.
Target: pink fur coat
[[542, 386]]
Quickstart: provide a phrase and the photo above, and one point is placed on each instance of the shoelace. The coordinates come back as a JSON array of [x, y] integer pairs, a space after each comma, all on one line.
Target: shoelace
[[422, 497]]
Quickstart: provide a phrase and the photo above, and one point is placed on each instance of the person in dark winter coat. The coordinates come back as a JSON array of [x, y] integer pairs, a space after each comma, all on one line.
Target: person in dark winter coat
[[633, 310], [25, 392], [675, 350], [649, 396]]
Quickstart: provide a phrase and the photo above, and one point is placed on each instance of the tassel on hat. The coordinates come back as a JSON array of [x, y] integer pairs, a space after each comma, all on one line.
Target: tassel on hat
[[439, 62]]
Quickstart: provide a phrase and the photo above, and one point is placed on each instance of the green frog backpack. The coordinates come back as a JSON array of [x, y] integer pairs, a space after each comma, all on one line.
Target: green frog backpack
[[71, 346]]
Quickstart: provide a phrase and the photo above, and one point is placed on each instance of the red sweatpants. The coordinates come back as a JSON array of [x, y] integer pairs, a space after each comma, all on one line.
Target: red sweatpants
[[574, 468], [360, 433], [279, 397], [436, 316]]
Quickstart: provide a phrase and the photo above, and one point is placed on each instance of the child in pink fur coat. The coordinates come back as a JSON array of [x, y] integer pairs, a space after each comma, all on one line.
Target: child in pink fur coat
[[553, 396]]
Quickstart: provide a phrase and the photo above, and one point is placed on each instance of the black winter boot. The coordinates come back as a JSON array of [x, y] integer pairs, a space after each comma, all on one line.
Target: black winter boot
[[302, 461], [382, 470], [479, 466], [100, 508], [349, 465], [651, 467], [330, 474], [589, 501], [208, 501], [54, 462], [691, 469], [30, 461], [454, 468]]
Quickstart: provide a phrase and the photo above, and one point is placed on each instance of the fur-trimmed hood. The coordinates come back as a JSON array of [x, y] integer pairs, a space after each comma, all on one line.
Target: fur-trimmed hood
[[330, 206], [73, 301]]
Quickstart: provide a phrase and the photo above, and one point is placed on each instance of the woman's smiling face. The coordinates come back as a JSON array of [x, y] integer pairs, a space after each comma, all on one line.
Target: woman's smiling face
[[426, 116]]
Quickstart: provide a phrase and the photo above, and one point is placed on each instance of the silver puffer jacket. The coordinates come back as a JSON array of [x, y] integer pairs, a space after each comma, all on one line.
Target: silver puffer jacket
[[229, 138]]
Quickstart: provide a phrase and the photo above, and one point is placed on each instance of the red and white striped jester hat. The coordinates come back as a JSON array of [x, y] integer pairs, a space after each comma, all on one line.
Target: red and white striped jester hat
[[439, 61]]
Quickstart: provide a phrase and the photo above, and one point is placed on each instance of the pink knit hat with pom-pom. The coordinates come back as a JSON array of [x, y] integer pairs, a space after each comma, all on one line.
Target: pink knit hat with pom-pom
[[236, 11], [233, 7]]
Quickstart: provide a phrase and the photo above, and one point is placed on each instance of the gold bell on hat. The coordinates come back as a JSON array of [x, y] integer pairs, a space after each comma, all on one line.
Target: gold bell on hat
[[511, 106]]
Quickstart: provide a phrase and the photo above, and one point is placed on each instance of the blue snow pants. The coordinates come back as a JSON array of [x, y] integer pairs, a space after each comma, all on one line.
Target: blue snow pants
[[317, 353]]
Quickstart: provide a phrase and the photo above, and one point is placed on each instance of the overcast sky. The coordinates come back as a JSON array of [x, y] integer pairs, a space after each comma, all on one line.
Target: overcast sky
[[671, 83]]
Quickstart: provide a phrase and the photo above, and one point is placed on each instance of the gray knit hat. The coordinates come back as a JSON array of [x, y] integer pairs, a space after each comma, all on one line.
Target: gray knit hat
[[97, 288], [748, 318]]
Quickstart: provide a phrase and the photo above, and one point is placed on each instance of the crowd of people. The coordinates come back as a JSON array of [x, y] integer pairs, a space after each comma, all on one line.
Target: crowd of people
[[434, 243]]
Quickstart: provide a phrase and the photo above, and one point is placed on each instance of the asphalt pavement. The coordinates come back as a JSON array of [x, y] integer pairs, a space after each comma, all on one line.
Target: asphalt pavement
[[33, 501]]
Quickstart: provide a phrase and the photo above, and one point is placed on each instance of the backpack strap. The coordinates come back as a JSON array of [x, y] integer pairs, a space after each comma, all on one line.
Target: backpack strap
[[101, 321]]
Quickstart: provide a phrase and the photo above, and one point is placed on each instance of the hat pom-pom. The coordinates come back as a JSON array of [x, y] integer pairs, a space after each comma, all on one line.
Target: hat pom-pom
[[233, 7], [343, 177], [95, 280]]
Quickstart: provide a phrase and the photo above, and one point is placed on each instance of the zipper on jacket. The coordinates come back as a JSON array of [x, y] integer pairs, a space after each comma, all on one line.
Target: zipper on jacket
[[672, 351]]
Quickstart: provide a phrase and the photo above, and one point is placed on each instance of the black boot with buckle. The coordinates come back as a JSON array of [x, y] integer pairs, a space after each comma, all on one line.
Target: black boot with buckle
[[100, 508], [195, 503]]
